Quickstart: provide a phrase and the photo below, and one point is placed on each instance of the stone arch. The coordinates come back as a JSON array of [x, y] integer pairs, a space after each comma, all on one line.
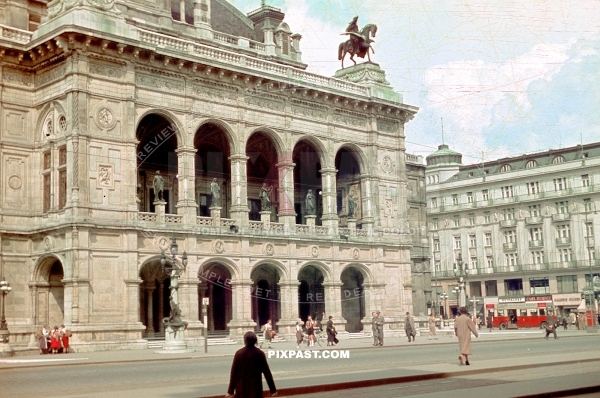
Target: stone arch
[[359, 154], [319, 146], [154, 296], [281, 269], [272, 134], [321, 266], [348, 182], [58, 110], [225, 127], [170, 117], [311, 291], [309, 160], [353, 297], [215, 279], [227, 263], [49, 290], [266, 293], [362, 268]]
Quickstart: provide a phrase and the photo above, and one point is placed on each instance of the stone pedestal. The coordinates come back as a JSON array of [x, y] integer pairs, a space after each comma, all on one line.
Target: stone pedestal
[[311, 222], [215, 213], [5, 348], [352, 225], [265, 218], [371, 75], [159, 209]]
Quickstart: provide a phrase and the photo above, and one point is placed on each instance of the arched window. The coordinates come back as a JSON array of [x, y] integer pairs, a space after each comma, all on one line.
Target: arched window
[[505, 167], [531, 164], [558, 159]]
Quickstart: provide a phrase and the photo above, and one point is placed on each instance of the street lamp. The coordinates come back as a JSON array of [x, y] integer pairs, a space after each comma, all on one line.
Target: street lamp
[[444, 297], [592, 328], [461, 272], [5, 349], [174, 326]]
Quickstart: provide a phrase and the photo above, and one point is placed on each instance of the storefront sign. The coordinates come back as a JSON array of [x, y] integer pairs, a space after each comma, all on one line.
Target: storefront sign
[[566, 299], [489, 306], [511, 299], [541, 305], [539, 298]]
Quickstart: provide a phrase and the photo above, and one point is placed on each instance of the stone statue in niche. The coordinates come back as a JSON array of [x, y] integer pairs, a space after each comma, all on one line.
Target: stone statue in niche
[[350, 206], [310, 203], [158, 185], [215, 191], [265, 199]]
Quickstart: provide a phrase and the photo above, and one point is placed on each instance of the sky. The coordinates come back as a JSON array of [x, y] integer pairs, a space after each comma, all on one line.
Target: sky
[[498, 77]]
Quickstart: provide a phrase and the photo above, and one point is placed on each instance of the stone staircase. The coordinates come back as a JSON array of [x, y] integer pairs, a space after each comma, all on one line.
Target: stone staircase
[[213, 340], [360, 335]]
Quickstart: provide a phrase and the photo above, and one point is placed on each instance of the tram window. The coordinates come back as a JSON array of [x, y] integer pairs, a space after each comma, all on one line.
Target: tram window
[[523, 312], [501, 313], [542, 312], [533, 313]]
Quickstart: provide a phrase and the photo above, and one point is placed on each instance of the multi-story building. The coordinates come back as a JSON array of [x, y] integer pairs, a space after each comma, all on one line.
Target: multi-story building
[[522, 226], [287, 190]]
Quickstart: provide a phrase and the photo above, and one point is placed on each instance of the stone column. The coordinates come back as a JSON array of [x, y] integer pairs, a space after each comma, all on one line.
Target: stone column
[[333, 305], [239, 189], [288, 300], [330, 217], [149, 312], [159, 209], [311, 222], [202, 12], [287, 214], [241, 321], [367, 208], [186, 203], [161, 306]]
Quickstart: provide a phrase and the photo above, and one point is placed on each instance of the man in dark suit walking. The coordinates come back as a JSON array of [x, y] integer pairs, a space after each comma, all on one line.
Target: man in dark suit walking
[[374, 328], [249, 364], [380, 323]]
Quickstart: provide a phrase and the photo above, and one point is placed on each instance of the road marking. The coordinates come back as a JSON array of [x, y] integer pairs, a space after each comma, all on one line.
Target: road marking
[[39, 360]]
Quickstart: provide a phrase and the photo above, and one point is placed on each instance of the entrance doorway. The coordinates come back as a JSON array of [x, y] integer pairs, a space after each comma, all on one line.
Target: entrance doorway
[[353, 299], [215, 283]]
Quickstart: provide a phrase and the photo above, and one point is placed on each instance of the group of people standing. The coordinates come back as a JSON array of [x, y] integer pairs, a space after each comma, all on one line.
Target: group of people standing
[[53, 340]]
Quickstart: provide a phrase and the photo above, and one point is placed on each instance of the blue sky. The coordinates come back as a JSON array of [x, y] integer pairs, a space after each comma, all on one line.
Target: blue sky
[[506, 76]]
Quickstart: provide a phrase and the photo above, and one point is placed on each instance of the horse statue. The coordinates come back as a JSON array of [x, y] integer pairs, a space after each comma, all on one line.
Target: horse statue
[[358, 44]]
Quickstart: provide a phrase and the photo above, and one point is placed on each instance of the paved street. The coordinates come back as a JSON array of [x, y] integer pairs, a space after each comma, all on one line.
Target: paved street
[[137, 373]]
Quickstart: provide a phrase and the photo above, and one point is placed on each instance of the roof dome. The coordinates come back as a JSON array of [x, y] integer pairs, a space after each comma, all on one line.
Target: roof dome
[[444, 156]]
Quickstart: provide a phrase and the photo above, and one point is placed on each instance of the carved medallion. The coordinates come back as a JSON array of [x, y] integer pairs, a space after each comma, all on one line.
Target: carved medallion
[[355, 253], [163, 243], [15, 183], [218, 246], [105, 118], [48, 243], [269, 249], [313, 251], [387, 165]]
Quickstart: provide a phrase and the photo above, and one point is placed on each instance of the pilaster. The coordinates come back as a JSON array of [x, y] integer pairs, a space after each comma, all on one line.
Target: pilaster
[[239, 189]]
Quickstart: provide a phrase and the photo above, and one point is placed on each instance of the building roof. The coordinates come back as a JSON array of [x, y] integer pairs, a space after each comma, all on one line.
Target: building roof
[[444, 156]]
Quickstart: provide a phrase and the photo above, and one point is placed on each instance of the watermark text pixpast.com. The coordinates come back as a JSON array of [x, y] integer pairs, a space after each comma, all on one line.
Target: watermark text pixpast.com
[[308, 354]]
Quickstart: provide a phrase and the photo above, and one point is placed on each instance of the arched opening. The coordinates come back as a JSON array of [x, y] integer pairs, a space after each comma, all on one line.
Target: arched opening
[[265, 295], [212, 166], [311, 294], [348, 186], [50, 291], [156, 153], [215, 283], [262, 170], [154, 299], [353, 299], [307, 181]]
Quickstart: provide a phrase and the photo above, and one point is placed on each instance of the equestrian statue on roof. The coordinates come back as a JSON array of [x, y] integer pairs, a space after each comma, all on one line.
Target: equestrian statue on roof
[[358, 43]]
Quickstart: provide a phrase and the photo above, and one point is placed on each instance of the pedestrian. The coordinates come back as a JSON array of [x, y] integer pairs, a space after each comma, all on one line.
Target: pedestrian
[[380, 322], [432, 333], [490, 321], [463, 327], [374, 328], [565, 323], [65, 338], [267, 330], [298, 334], [409, 327], [55, 338], [310, 331], [331, 332], [42, 336], [249, 364], [551, 328]]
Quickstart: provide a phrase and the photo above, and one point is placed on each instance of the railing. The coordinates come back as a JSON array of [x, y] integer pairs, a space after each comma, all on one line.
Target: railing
[[146, 216], [256, 225], [14, 34], [319, 230], [536, 243], [276, 226], [534, 220], [302, 229], [225, 38], [174, 218], [227, 222], [561, 217], [510, 246], [207, 221], [508, 223], [563, 241]]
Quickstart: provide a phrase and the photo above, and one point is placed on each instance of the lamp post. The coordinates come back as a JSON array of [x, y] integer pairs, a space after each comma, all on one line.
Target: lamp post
[[174, 326], [5, 349], [461, 273], [592, 328], [444, 298]]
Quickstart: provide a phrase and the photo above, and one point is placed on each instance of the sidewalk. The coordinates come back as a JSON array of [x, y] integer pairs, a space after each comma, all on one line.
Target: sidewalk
[[34, 359]]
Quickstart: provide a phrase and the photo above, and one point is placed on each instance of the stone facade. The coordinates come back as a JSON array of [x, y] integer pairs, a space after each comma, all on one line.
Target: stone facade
[[91, 112]]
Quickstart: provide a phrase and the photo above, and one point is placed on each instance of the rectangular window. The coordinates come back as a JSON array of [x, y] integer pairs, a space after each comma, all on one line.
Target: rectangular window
[[474, 263], [539, 286], [585, 180], [434, 203], [563, 231], [472, 241], [436, 245], [46, 193], [457, 221], [47, 160], [488, 238], [533, 188], [513, 287], [535, 234], [486, 217], [62, 156], [511, 259], [510, 236], [509, 213], [562, 207], [564, 255], [469, 197], [587, 204], [435, 224], [537, 257], [489, 261], [457, 242], [560, 184], [535, 211], [62, 189], [591, 253], [567, 284], [438, 266], [454, 199], [471, 219], [507, 191], [589, 229], [491, 288], [485, 195]]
